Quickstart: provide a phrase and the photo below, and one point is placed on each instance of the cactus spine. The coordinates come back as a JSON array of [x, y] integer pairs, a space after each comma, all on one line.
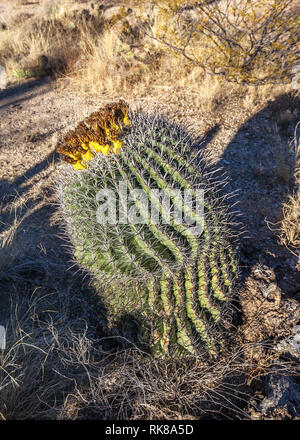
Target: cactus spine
[[178, 281]]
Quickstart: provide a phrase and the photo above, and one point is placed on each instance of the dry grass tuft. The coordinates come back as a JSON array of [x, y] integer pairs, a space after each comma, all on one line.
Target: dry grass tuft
[[57, 368], [290, 226], [41, 45], [52, 372]]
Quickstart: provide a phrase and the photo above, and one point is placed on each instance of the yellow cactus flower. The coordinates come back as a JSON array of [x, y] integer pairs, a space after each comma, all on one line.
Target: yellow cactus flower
[[115, 126], [79, 165], [126, 120], [75, 155], [88, 155], [117, 147], [95, 146], [105, 149], [101, 132]]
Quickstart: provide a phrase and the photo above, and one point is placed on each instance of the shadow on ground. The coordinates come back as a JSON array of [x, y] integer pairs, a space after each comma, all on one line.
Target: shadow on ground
[[259, 162], [20, 93]]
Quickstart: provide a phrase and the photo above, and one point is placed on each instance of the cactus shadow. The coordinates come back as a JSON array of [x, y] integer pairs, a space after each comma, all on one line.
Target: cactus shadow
[[260, 165], [134, 332], [10, 191], [204, 140], [36, 260]]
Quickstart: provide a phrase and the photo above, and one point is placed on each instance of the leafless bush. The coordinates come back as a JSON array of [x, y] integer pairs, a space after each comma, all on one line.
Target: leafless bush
[[243, 41]]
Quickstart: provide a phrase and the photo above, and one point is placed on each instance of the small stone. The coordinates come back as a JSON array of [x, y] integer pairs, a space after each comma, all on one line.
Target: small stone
[[111, 12], [283, 396], [270, 291], [291, 344]]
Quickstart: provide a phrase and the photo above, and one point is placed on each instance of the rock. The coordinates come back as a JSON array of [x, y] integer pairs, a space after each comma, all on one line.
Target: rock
[[266, 314], [283, 398], [270, 290], [3, 78], [113, 13], [291, 345], [110, 12]]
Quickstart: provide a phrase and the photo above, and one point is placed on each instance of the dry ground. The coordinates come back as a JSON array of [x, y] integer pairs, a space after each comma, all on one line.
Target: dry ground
[[242, 130]]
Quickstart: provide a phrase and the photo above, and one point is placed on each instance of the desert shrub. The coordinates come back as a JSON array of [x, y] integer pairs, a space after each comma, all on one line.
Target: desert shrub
[[243, 41]]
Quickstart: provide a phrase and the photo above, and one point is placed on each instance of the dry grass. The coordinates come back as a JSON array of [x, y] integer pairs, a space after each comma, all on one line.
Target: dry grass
[[290, 226], [57, 31], [130, 65], [50, 371], [115, 56], [22, 46]]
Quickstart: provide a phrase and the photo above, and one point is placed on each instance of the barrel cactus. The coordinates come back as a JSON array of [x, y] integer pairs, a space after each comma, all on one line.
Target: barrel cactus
[[177, 276]]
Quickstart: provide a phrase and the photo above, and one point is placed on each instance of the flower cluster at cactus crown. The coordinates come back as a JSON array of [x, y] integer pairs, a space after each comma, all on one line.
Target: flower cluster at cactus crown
[[101, 132]]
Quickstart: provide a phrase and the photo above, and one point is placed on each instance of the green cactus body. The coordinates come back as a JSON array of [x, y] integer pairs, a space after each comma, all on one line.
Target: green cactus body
[[178, 281]]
